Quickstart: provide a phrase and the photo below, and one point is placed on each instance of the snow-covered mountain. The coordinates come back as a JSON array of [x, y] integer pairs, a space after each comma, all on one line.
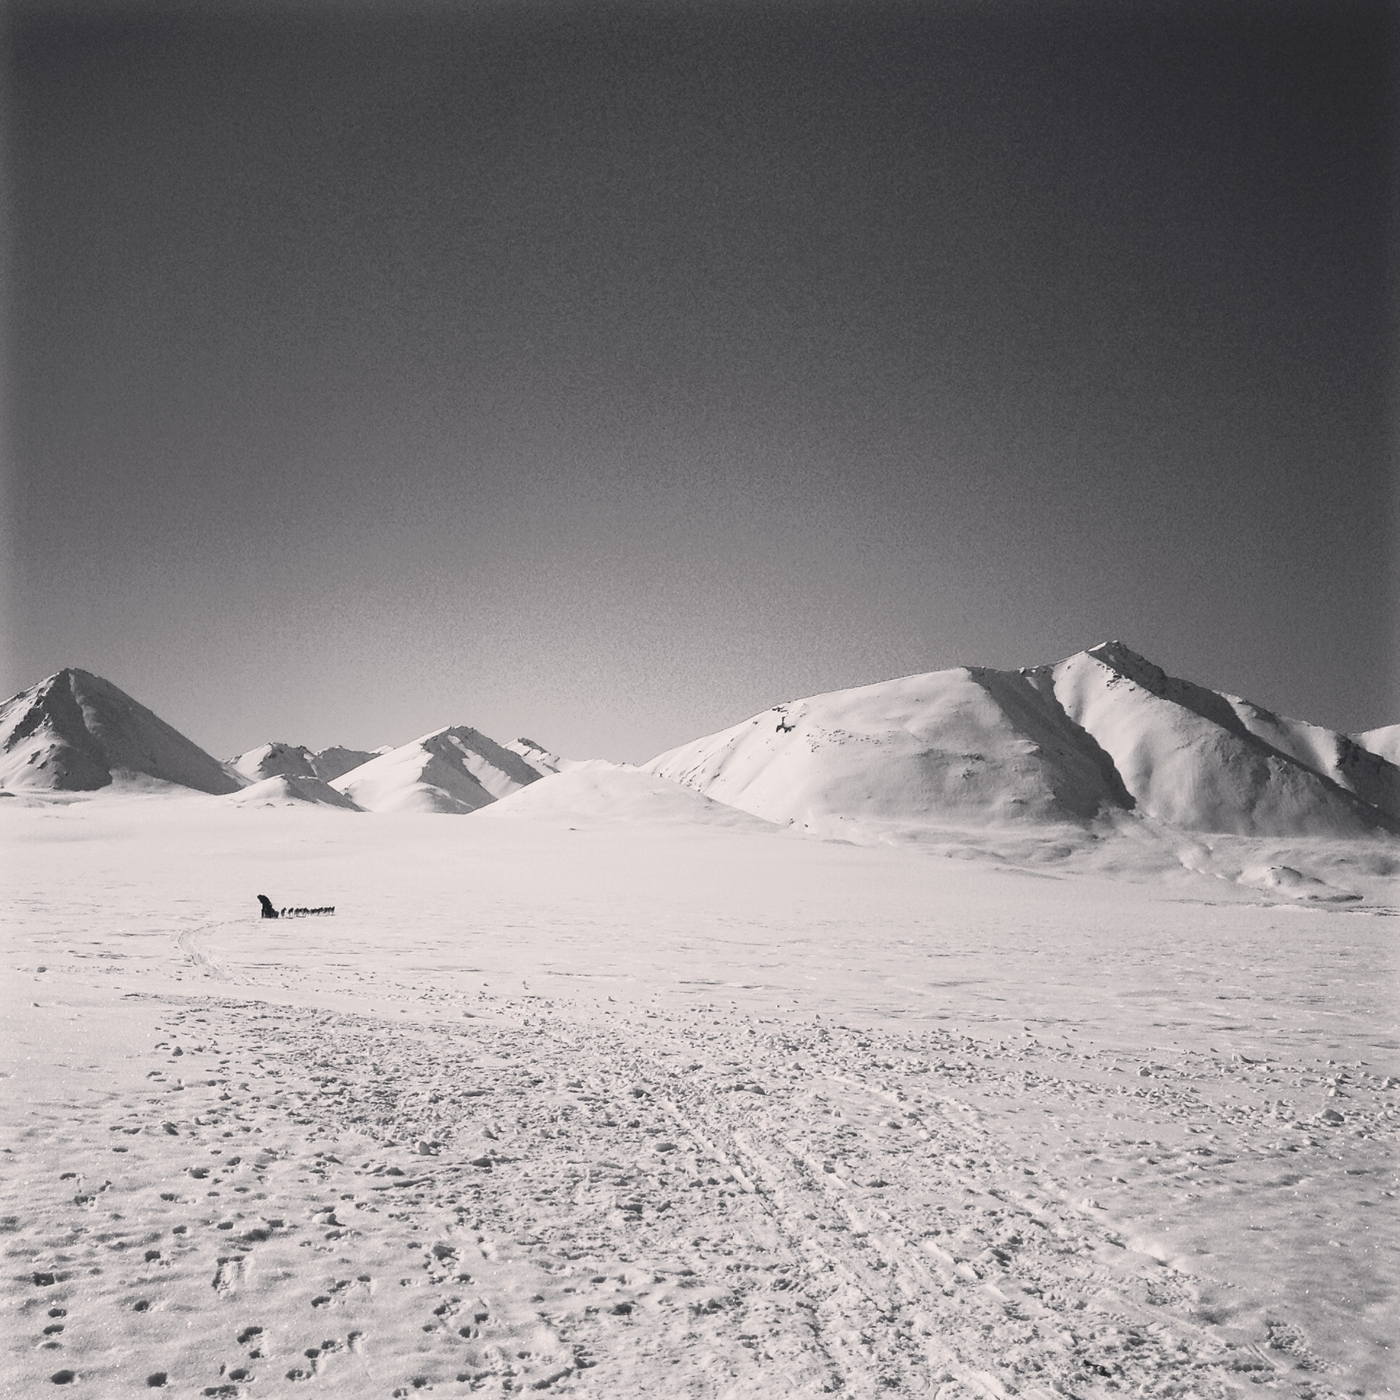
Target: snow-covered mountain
[[292, 760], [456, 769], [542, 760], [271, 761], [1102, 731], [335, 762], [291, 790], [76, 732]]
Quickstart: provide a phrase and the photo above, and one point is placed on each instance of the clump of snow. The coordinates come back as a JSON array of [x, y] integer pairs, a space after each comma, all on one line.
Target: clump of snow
[[76, 732], [290, 789], [454, 770], [594, 790]]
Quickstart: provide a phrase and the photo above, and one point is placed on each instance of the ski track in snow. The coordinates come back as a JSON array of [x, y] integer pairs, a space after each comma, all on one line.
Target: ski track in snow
[[381, 1180]]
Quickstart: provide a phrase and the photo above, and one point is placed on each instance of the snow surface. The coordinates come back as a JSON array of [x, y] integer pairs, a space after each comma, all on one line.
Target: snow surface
[[453, 770], [75, 732], [1101, 732], [689, 1109]]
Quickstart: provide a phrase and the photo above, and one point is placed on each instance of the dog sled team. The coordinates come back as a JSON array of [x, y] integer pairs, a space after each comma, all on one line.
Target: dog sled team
[[296, 912]]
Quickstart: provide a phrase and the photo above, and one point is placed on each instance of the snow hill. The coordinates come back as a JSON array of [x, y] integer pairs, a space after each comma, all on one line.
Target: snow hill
[[456, 769], [1384, 742], [270, 760], [1102, 731], [594, 789], [76, 732], [290, 789]]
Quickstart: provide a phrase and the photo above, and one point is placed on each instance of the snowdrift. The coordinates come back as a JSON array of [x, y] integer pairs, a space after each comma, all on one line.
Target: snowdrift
[[1103, 731], [455, 770], [76, 732], [289, 790], [593, 790]]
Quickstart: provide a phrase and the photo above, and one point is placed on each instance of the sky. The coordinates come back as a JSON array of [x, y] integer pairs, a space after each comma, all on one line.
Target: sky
[[606, 372]]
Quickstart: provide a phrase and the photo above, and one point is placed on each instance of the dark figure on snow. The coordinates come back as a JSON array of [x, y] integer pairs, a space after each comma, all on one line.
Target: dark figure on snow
[[268, 912]]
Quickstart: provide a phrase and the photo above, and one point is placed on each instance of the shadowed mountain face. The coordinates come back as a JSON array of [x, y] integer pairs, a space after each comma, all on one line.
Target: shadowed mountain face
[[1102, 731], [75, 732]]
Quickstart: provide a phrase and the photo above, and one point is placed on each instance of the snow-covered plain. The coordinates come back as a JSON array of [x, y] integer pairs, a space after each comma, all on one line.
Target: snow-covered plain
[[581, 1096]]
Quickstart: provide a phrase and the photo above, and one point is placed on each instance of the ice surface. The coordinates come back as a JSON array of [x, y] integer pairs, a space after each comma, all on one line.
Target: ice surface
[[677, 1108]]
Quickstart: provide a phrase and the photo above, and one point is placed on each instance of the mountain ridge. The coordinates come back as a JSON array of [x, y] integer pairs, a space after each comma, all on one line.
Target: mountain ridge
[[1102, 731]]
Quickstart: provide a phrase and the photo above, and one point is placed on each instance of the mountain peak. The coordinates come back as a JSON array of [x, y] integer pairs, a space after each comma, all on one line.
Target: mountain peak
[[76, 732]]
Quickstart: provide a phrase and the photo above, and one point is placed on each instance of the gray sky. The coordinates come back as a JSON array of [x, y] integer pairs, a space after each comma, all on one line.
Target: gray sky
[[604, 373]]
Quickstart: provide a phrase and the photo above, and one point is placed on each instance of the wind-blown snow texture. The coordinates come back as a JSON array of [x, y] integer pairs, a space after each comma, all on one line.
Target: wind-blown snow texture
[[1102, 731], [450, 770], [76, 732]]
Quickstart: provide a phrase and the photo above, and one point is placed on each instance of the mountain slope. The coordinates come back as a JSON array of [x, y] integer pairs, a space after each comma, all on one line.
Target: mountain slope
[[455, 770], [274, 759], [1101, 731], [593, 790], [76, 732], [1384, 742], [336, 761], [964, 744], [292, 790], [542, 760], [1206, 761]]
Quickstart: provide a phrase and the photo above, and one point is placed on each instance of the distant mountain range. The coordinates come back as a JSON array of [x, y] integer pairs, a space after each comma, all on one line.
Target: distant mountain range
[[1102, 732]]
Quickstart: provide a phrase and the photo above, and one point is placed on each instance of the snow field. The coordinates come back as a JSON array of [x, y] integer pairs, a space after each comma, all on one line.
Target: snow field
[[623, 1110]]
